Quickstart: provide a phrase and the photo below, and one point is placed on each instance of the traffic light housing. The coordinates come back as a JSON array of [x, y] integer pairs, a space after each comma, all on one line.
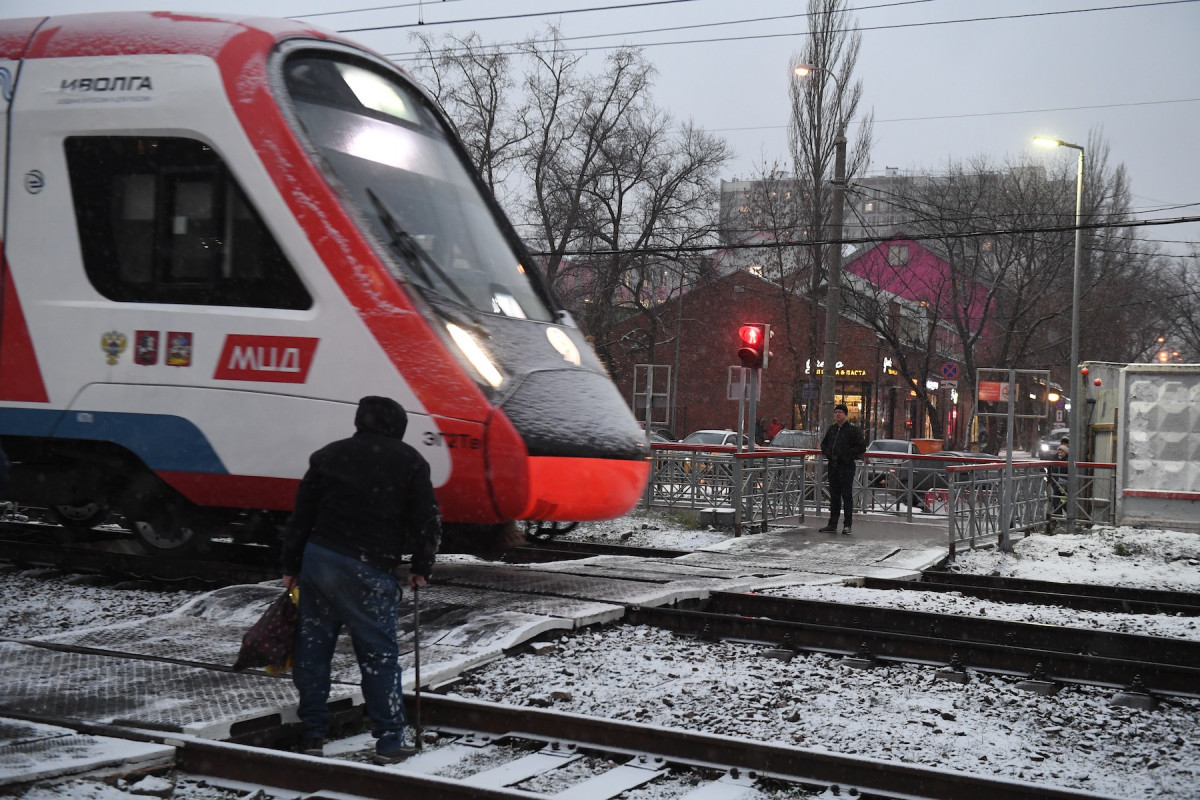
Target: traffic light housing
[[754, 345]]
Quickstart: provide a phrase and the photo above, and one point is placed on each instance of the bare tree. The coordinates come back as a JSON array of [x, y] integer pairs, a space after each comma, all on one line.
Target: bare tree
[[611, 174], [1182, 329], [593, 170], [475, 85], [1125, 302], [1005, 237], [823, 105]]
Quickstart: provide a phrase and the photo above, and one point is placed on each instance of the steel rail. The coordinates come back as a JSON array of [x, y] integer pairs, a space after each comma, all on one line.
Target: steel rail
[[97, 557], [1169, 602], [657, 746], [874, 643], [563, 550], [1035, 636]]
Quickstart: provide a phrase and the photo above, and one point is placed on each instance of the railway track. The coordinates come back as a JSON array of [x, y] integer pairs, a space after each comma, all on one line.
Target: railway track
[[1078, 596], [1051, 655], [114, 551], [474, 749], [522, 741]]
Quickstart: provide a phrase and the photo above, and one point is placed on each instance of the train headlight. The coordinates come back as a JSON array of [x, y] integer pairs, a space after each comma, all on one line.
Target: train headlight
[[474, 353]]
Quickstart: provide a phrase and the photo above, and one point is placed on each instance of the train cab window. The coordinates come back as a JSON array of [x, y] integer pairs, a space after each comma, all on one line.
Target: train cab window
[[161, 220], [405, 175]]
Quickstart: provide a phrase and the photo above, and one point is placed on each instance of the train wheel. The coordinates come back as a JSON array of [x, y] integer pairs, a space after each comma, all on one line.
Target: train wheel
[[82, 516], [164, 523], [166, 536], [545, 531]]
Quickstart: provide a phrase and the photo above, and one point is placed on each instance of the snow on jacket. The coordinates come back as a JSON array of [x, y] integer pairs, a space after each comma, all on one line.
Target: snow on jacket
[[368, 497]]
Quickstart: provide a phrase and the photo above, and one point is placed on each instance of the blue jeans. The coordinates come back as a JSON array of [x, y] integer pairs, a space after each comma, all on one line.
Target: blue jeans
[[841, 493], [337, 590]]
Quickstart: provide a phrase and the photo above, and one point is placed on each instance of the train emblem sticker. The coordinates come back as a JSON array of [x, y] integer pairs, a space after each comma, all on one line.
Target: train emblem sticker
[[113, 344], [145, 348], [179, 349], [563, 344], [277, 359]]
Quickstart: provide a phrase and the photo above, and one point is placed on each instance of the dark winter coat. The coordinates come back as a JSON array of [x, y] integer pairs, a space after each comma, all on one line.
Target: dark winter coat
[[843, 444], [1059, 467], [3, 474], [368, 496]]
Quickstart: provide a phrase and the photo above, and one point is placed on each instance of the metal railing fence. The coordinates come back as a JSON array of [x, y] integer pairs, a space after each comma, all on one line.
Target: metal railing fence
[[983, 513], [753, 490]]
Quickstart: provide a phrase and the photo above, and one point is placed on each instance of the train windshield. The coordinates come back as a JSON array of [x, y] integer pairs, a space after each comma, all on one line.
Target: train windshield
[[395, 159]]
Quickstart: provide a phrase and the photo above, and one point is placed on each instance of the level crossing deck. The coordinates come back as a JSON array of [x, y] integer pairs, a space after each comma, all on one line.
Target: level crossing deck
[[174, 672]]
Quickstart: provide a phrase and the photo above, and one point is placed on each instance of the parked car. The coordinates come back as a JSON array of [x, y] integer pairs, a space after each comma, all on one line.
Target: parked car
[[796, 440], [1049, 445], [881, 447], [929, 474], [713, 436]]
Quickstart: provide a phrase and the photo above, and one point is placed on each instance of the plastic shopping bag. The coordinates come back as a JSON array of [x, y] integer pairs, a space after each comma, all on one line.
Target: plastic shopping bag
[[269, 641]]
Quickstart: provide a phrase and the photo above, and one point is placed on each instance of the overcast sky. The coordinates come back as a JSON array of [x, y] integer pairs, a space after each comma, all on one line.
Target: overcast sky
[[947, 79]]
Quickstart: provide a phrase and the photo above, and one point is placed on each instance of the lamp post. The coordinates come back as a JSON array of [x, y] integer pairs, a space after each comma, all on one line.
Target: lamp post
[[833, 279], [1077, 404]]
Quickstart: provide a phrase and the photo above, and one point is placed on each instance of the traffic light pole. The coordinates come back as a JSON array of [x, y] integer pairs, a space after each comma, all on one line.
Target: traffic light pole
[[752, 423], [741, 426], [754, 352]]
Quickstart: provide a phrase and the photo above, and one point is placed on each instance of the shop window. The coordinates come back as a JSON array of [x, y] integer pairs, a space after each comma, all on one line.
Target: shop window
[[162, 220]]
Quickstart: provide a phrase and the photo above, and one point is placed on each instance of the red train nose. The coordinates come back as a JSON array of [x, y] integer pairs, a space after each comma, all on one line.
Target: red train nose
[[558, 487]]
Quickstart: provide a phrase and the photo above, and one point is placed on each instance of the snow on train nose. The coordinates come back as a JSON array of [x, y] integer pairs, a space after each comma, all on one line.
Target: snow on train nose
[[565, 447]]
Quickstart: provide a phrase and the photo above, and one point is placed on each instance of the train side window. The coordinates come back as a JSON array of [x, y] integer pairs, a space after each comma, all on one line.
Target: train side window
[[162, 220]]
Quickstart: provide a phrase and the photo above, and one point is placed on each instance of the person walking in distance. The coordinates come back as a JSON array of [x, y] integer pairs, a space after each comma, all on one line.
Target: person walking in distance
[[841, 445], [1058, 475], [364, 503]]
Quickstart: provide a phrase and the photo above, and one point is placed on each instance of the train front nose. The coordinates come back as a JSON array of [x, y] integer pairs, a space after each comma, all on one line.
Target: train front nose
[[563, 446]]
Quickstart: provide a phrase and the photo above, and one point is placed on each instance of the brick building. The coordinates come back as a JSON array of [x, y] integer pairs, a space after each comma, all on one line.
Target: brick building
[[696, 335]]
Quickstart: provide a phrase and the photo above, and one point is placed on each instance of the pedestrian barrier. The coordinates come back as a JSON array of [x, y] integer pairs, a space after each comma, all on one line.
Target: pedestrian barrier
[[986, 509], [754, 490]]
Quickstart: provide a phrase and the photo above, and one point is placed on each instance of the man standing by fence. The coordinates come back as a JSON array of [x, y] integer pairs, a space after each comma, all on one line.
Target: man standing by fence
[[843, 443]]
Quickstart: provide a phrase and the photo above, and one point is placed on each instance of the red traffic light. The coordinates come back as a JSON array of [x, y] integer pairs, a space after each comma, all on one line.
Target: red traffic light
[[754, 339]]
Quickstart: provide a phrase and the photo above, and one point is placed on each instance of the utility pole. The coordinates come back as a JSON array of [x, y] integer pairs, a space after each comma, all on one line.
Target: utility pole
[[833, 282]]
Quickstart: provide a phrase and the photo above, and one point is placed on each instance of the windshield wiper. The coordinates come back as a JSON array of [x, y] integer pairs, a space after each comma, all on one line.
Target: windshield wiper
[[419, 260]]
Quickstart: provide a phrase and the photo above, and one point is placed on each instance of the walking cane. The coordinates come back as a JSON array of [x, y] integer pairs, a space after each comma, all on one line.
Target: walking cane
[[417, 660]]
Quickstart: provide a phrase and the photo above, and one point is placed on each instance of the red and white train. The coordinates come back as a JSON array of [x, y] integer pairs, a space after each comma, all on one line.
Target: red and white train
[[219, 234]]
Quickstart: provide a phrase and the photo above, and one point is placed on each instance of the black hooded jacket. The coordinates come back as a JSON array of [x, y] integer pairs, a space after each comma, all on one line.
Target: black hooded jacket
[[368, 496]]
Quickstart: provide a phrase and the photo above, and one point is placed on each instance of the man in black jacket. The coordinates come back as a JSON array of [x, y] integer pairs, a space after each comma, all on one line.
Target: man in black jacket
[[842, 444], [364, 503]]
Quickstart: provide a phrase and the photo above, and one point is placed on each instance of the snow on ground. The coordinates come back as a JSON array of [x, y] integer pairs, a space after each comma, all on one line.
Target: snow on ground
[[1073, 739]]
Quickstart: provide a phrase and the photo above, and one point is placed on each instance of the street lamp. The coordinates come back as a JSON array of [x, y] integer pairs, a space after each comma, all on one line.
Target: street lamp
[[1076, 379], [833, 292]]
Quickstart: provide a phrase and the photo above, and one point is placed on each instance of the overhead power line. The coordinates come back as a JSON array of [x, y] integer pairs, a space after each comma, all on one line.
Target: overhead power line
[[987, 113], [750, 37], [364, 10], [500, 17], [693, 26], [915, 237]]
